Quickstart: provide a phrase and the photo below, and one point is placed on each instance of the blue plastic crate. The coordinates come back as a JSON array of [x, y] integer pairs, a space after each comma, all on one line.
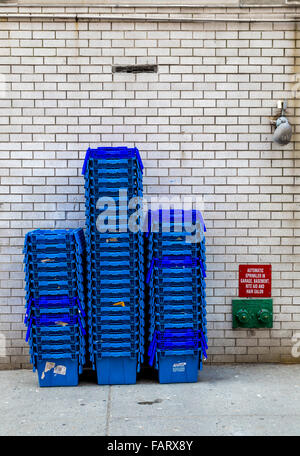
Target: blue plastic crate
[[55, 234], [105, 309], [116, 370], [116, 172], [177, 217], [116, 165], [108, 153], [47, 321], [65, 372], [114, 180], [113, 241], [119, 345], [92, 214], [61, 338], [51, 257], [120, 250], [93, 193], [129, 326], [69, 331], [56, 274], [104, 163], [178, 368], [115, 263]]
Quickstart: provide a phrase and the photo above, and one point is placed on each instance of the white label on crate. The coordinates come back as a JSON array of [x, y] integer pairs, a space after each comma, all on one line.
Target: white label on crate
[[179, 367], [61, 370], [49, 366]]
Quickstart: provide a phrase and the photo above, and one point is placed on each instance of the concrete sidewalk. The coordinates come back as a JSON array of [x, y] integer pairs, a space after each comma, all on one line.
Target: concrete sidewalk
[[261, 399]]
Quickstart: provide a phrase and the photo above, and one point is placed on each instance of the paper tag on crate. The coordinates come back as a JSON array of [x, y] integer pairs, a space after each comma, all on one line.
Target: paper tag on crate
[[61, 370], [48, 367]]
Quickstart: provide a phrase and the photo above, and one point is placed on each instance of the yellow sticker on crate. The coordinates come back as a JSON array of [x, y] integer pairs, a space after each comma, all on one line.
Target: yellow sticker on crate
[[119, 303]]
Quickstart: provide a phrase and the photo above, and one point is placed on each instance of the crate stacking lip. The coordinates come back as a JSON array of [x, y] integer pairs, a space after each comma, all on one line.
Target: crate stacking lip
[[120, 250], [174, 217], [128, 164], [178, 323], [51, 257], [46, 248], [56, 309], [111, 153], [48, 290], [71, 267], [180, 236], [109, 269], [179, 288], [61, 320], [193, 287], [92, 194], [52, 283], [99, 315], [176, 294], [120, 344], [53, 236], [182, 316], [56, 273], [113, 277], [119, 221], [181, 305], [99, 298], [112, 296], [198, 303], [131, 174], [115, 242], [178, 279], [111, 285], [113, 181], [129, 327], [54, 346], [61, 338], [112, 238], [175, 262], [113, 165], [175, 243], [180, 340], [46, 302], [74, 330], [176, 301], [162, 326], [115, 257], [101, 318], [173, 248]]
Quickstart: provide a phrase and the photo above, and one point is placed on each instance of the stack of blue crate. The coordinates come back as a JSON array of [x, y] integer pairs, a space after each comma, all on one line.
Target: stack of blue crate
[[55, 304], [115, 264], [176, 279]]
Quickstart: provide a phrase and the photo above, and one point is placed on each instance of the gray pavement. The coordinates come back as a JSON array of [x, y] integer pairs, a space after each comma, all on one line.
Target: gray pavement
[[244, 399]]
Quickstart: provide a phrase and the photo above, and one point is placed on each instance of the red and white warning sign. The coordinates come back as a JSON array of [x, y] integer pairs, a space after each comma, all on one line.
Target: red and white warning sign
[[255, 280]]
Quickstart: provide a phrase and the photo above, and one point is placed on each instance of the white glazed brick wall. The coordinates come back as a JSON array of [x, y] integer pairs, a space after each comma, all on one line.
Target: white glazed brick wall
[[202, 124]]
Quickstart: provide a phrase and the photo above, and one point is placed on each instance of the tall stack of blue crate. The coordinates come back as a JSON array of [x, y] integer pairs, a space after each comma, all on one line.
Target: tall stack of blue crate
[[55, 302], [115, 265], [176, 292]]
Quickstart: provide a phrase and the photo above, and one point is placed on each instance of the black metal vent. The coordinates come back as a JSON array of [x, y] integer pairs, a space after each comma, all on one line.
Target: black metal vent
[[134, 69]]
